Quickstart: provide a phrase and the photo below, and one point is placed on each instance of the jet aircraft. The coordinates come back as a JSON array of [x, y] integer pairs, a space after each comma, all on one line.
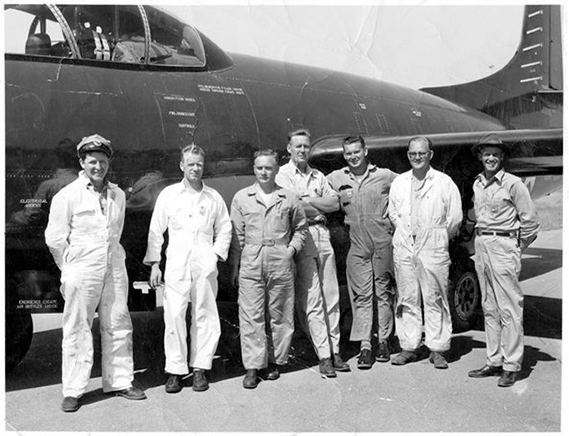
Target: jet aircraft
[[152, 83]]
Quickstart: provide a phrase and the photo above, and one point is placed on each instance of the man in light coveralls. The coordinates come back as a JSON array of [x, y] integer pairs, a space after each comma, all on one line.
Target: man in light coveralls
[[269, 228], [426, 210], [506, 224], [316, 283], [83, 235], [199, 234]]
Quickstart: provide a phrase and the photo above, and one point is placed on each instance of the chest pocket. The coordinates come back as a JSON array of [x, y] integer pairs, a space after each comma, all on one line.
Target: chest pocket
[[85, 216], [499, 201], [180, 219], [253, 221], [281, 219]]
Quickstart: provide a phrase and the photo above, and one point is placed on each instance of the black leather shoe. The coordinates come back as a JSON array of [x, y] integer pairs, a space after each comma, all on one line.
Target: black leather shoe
[[131, 393], [365, 361], [405, 357], [200, 383], [251, 380], [507, 379], [173, 384], [486, 371], [438, 359], [273, 372], [327, 368], [383, 354], [70, 404], [340, 365]]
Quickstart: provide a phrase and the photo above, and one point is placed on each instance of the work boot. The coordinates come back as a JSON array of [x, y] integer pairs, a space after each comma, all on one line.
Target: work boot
[[383, 354], [507, 379], [200, 383], [70, 404], [365, 361], [250, 381], [404, 358], [327, 368], [339, 364], [485, 371], [273, 371], [173, 384], [438, 360]]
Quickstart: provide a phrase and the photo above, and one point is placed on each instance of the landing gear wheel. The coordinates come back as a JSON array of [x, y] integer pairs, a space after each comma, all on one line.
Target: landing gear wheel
[[464, 300]]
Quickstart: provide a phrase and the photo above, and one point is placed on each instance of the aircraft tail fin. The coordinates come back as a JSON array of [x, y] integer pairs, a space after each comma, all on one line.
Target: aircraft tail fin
[[528, 91]]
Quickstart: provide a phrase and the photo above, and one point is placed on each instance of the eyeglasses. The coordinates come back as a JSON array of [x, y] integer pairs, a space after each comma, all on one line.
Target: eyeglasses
[[417, 154]]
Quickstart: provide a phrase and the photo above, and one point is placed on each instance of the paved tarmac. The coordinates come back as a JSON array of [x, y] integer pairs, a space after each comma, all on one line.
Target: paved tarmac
[[386, 398]]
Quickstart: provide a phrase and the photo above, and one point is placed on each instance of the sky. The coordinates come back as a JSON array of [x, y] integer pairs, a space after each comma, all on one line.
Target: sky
[[407, 43], [411, 45]]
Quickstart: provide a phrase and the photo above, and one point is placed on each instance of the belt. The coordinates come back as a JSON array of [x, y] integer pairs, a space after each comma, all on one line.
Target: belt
[[267, 242], [511, 234]]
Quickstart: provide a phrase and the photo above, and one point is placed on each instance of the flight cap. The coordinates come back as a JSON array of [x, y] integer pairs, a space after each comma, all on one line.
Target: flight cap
[[95, 143], [490, 140]]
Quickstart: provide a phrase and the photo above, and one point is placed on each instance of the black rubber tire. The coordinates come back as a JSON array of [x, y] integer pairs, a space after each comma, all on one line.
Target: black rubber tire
[[464, 298]]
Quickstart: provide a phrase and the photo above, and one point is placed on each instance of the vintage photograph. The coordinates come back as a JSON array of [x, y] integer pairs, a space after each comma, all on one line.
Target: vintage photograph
[[285, 217]]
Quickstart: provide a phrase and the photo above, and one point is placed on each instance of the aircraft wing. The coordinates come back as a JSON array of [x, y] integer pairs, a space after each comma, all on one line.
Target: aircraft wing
[[531, 152]]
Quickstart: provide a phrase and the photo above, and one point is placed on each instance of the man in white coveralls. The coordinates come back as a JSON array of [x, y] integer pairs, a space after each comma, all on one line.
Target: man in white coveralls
[[199, 234], [83, 233], [426, 210]]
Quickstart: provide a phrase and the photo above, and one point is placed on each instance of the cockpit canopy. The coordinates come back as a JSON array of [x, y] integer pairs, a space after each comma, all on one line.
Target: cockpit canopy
[[124, 34]]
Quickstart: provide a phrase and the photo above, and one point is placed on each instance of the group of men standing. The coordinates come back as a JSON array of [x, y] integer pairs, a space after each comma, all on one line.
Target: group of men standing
[[283, 264]]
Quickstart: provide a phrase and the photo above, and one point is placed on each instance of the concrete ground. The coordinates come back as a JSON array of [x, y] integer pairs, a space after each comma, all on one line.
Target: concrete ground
[[413, 398]]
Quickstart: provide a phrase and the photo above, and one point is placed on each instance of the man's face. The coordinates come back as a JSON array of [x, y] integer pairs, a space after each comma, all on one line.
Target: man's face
[[419, 155], [491, 158], [298, 147], [192, 165], [96, 165], [265, 169], [355, 155]]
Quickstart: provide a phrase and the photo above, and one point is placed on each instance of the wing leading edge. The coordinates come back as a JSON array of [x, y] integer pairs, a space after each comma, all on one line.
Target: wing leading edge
[[532, 152]]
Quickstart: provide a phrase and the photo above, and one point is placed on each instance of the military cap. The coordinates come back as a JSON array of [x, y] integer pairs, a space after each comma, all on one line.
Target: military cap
[[95, 143], [490, 140]]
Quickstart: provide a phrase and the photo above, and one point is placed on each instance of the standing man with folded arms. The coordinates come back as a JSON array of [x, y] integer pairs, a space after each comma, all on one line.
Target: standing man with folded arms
[[364, 190], [269, 228], [506, 224], [199, 234], [83, 234], [426, 210], [316, 282]]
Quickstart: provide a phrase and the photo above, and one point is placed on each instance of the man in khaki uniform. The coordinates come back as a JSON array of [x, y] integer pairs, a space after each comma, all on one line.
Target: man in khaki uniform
[[506, 224], [269, 228], [316, 283]]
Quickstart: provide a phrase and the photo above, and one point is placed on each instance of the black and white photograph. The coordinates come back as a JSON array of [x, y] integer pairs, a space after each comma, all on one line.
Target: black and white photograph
[[283, 217]]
